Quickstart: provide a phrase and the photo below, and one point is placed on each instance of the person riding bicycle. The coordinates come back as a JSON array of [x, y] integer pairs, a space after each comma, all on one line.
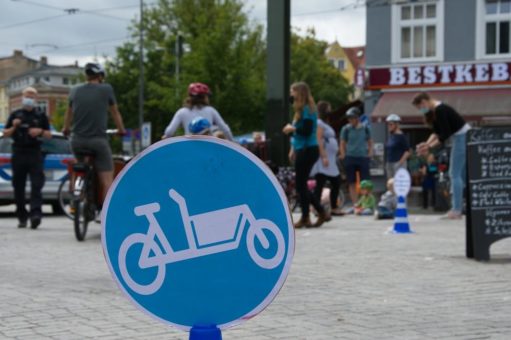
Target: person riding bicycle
[[86, 118], [197, 105]]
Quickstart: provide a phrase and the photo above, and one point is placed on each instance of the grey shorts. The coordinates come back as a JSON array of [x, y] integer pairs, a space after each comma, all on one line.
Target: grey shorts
[[99, 145]]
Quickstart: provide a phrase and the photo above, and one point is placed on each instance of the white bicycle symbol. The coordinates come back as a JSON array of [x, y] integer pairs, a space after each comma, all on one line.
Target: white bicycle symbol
[[208, 233]]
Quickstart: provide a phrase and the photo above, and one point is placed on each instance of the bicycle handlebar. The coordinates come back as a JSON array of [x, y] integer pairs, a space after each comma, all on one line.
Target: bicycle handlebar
[[109, 132]]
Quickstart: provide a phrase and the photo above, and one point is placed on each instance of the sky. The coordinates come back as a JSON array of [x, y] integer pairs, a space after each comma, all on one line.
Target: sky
[[43, 28]]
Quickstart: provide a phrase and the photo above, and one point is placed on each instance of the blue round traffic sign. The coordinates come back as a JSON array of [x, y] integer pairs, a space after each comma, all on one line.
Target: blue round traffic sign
[[197, 230]]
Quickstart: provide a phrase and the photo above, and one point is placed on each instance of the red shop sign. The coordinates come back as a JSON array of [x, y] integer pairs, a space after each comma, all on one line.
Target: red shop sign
[[440, 75]]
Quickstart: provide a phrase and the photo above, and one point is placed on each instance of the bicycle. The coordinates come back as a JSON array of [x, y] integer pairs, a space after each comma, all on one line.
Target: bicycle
[[78, 193]]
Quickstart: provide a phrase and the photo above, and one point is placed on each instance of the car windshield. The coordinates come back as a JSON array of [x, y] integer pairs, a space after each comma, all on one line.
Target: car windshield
[[5, 145], [55, 145]]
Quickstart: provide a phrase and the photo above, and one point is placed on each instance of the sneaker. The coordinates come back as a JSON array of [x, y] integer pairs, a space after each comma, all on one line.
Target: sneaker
[[303, 223], [452, 215], [22, 224], [337, 212], [349, 211], [322, 218], [97, 219], [35, 222]]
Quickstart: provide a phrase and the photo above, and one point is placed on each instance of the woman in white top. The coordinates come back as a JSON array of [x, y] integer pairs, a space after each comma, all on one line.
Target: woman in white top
[[197, 105], [326, 168]]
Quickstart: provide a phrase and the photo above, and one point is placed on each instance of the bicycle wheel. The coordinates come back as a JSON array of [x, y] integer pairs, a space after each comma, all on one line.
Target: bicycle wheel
[[80, 218], [81, 204], [65, 198]]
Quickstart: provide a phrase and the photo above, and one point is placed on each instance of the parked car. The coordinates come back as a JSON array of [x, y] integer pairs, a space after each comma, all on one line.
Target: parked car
[[57, 151]]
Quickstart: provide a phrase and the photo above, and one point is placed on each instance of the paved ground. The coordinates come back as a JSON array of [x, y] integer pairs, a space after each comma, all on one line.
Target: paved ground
[[349, 280]]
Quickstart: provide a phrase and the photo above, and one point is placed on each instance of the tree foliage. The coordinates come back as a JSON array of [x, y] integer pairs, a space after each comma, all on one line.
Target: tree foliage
[[309, 64], [221, 48]]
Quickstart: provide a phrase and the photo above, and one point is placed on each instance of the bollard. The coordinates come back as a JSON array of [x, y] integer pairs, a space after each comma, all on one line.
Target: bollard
[[401, 224]]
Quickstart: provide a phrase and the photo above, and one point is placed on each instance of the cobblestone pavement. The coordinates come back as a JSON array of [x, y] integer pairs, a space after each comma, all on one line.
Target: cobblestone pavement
[[349, 280]]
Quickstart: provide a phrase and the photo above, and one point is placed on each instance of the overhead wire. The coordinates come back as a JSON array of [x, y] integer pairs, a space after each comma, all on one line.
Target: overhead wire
[[96, 42], [71, 11], [23, 23]]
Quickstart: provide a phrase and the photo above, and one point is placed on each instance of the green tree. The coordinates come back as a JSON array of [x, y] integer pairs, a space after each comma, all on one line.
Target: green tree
[[222, 49], [309, 64], [57, 119]]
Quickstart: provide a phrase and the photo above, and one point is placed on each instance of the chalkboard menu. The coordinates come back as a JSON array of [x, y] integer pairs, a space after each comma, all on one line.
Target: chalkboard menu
[[489, 189]]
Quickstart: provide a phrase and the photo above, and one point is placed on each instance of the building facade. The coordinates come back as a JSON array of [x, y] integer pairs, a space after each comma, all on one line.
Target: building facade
[[350, 62], [457, 50], [9, 67], [52, 83]]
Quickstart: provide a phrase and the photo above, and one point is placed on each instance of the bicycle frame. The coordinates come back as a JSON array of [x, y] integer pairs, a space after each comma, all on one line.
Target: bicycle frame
[[83, 180]]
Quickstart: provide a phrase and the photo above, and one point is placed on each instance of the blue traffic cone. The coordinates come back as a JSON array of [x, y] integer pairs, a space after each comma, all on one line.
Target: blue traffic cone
[[401, 225]]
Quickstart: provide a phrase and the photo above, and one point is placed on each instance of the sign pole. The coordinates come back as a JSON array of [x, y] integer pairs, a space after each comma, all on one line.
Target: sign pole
[[277, 94]]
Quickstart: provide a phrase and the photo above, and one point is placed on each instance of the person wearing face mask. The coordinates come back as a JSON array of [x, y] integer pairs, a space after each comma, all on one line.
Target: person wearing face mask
[[448, 127], [397, 147], [26, 127]]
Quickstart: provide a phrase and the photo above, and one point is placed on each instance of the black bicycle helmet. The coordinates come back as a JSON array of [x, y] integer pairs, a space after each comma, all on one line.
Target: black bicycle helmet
[[92, 69], [353, 112]]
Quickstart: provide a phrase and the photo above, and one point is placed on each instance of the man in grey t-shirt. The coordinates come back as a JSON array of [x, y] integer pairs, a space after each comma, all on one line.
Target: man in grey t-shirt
[[87, 115], [355, 149]]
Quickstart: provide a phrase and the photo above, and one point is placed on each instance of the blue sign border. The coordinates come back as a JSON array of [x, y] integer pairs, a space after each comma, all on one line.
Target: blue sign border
[[256, 161]]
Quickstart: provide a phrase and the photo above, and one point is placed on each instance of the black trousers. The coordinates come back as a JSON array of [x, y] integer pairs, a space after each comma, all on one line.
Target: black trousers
[[28, 163], [425, 196], [305, 159], [335, 184]]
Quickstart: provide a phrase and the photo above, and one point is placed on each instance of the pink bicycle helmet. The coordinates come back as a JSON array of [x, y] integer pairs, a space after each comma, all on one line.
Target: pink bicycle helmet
[[197, 89]]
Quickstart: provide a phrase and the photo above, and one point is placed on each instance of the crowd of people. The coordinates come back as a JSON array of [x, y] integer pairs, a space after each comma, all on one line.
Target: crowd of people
[[315, 150]]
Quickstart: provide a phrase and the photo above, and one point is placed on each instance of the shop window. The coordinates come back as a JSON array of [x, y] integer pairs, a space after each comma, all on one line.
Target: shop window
[[417, 31]]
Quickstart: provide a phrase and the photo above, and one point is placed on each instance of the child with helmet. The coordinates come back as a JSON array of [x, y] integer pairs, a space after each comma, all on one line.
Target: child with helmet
[[366, 203], [197, 106]]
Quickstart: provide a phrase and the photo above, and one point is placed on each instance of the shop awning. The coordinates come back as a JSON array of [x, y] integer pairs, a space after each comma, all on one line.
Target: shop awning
[[469, 103]]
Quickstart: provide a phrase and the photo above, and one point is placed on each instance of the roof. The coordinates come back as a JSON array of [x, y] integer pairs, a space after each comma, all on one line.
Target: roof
[[14, 56], [356, 55], [468, 102], [47, 70]]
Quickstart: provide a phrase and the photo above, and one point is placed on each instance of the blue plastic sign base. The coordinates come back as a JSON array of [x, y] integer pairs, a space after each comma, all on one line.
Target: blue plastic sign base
[[401, 224], [197, 230], [206, 332]]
